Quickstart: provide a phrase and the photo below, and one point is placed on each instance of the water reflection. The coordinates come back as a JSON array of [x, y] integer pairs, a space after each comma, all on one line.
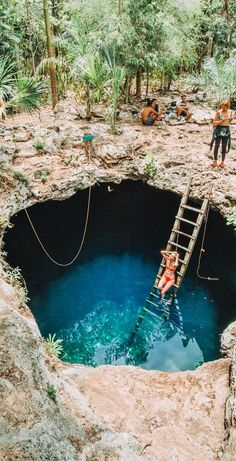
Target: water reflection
[[161, 322]]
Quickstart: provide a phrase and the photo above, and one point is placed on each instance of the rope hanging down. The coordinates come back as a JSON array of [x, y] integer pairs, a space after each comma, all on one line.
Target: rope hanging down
[[88, 147], [203, 251], [82, 241]]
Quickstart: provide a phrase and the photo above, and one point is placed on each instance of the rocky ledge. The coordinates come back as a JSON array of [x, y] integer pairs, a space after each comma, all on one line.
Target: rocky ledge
[[50, 410]]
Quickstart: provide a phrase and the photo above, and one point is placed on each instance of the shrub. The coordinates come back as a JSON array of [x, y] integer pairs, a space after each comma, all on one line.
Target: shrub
[[13, 276], [19, 176], [53, 346], [39, 145], [231, 220], [4, 222], [42, 175], [150, 168], [52, 392]]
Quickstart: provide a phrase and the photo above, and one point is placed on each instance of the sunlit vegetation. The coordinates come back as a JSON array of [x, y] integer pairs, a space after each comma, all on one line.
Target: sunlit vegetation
[[104, 51]]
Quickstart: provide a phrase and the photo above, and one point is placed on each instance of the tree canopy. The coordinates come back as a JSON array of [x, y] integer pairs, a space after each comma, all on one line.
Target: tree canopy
[[161, 39]]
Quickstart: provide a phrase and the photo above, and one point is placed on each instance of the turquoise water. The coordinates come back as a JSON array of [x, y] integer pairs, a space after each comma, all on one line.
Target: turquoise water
[[94, 305]]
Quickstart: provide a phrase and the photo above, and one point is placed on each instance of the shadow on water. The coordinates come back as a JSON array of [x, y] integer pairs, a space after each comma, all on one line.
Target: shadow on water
[[94, 305]]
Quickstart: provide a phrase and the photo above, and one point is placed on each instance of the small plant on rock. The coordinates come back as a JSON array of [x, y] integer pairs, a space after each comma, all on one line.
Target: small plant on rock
[[231, 220], [21, 177], [4, 222], [42, 175], [39, 145], [22, 297], [150, 168], [13, 276], [53, 346], [52, 392]]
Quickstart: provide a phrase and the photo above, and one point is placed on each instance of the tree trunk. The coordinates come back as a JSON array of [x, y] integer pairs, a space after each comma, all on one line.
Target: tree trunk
[[128, 83], [138, 83], [88, 103], [210, 46], [147, 82], [229, 24], [52, 68], [56, 4], [29, 17], [120, 6]]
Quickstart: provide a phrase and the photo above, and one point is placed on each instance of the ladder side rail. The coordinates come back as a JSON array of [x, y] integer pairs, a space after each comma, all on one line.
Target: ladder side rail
[[192, 242], [176, 226]]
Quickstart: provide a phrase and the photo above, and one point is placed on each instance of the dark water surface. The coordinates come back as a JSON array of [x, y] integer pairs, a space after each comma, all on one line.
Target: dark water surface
[[94, 304]]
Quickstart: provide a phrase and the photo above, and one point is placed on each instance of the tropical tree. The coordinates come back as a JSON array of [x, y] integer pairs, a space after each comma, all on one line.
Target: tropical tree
[[217, 78], [51, 54], [18, 92], [117, 74], [94, 76]]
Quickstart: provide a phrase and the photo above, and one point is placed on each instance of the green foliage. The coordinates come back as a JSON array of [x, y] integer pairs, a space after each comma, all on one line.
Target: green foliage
[[161, 38], [92, 74], [27, 94], [218, 77], [13, 276], [7, 77], [53, 345], [231, 220], [39, 145], [216, 23], [150, 168], [5, 223], [117, 74], [42, 175], [22, 297], [18, 91], [52, 392], [21, 177]]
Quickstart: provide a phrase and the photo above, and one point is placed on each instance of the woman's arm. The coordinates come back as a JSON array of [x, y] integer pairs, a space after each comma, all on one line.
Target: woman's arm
[[166, 254], [217, 120]]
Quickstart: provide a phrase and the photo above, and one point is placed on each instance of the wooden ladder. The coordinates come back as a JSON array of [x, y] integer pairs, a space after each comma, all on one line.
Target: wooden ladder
[[156, 309], [190, 237]]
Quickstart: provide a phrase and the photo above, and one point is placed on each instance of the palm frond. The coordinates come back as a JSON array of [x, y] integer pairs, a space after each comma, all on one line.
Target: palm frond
[[7, 77], [27, 94]]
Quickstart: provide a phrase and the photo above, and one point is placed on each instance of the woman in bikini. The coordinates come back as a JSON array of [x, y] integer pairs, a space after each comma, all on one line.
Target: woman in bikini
[[221, 133], [168, 278]]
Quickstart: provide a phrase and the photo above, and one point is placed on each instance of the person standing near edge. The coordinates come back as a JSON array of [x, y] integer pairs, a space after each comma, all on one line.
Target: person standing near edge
[[221, 133]]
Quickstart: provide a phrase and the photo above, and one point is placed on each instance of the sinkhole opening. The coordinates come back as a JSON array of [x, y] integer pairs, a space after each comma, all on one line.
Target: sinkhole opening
[[94, 306]]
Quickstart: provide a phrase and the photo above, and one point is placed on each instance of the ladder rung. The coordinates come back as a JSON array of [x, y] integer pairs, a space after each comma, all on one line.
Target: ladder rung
[[198, 210], [187, 221], [153, 294], [182, 261], [183, 233], [179, 246], [150, 302], [150, 312]]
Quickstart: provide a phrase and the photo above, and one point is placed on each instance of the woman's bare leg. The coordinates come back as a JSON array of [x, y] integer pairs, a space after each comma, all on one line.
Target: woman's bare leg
[[167, 286], [162, 282]]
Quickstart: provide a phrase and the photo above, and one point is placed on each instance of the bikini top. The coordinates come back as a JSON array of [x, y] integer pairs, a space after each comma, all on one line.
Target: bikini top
[[170, 268]]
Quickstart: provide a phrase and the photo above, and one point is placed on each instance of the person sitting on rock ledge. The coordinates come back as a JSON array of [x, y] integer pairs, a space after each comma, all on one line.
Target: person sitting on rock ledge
[[150, 114], [183, 108]]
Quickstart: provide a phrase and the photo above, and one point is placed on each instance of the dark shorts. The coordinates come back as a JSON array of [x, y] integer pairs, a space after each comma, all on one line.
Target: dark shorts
[[184, 113], [149, 122]]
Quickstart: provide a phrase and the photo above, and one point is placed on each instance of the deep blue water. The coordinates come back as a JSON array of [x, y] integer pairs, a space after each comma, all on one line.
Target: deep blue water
[[94, 304]]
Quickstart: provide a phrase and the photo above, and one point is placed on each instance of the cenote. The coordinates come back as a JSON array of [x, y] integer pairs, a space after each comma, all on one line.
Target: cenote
[[93, 305]]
